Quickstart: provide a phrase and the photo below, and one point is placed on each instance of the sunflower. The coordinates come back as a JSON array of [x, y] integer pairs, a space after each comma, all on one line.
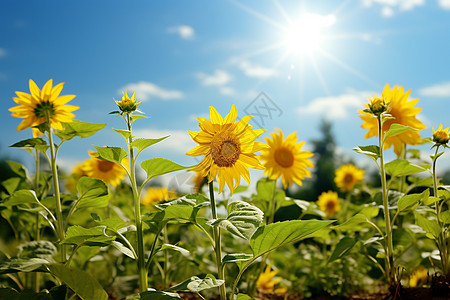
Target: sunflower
[[285, 159], [228, 147], [267, 281], [403, 113], [154, 195], [441, 136], [105, 170], [419, 277], [77, 172], [329, 203], [127, 104], [43, 105], [347, 176]]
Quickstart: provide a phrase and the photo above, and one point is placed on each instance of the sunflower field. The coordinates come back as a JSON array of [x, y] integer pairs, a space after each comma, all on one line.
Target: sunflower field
[[102, 232]]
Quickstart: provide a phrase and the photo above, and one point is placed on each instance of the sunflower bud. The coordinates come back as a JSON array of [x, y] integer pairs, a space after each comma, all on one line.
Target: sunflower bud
[[441, 136], [377, 105], [127, 105]]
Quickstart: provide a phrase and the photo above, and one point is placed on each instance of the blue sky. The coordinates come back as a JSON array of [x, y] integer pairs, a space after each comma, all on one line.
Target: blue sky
[[180, 57]]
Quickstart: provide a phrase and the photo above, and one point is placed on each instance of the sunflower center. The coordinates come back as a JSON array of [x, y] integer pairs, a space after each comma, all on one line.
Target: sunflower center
[[348, 178], [284, 157], [331, 205], [225, 152], [105, 166], [44, 109]]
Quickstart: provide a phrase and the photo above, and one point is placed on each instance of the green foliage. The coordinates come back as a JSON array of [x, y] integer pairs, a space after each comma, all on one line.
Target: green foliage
[[91, 193], [78, 128], [142, 144], [197, 284], [35, 143], [113, 154], [402, 167], [159, 166]]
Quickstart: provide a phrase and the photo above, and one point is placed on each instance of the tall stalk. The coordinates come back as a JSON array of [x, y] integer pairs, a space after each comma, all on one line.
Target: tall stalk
[[389, 259], [37, 234], [217, 244], [142, 271]]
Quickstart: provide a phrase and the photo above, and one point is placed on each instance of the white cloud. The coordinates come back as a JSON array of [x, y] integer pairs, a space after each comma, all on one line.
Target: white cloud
[[184, 31], [145, 90], [179, 141], [2, 52], [226, 90], [336, 107], [445, 4], [440, 90], [219, 78], [388, 7], [252, 70]]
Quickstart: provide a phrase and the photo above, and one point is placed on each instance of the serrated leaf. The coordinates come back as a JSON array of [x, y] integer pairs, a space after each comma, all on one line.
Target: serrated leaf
[[95, 236], [159, 166], [37, 249], [430, 227], [22, 265], [342, 248], [92, 192], [275, 235], [35, 143], [142, 144], [81, 282], [410, 202], [371, 151], [125, 133], [196, 284], [21, 197], [402, 167], [78, 128], [243, 219], [113, 154], [396, 129]]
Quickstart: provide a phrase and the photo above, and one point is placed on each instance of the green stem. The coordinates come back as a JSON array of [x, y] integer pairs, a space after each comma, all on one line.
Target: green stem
[[390, 271], [166, 259], [59, 216], [217, 244], [38, 235], [272, 204], [142, 271]]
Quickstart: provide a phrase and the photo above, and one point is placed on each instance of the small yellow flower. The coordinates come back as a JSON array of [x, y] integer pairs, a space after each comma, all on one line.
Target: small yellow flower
[[403, 113], [127, 104], [154, 195], [419, 277], [266, 281], [107, 171], [228, 146], [329, 203], [377, 105], [43, 105], [284, 158], [347, 176], [441, 136]]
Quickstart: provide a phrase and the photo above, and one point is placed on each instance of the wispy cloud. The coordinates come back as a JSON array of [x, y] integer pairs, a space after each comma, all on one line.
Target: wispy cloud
[[445, 4], [146, 90], [218, 78], [336, 107], [253, 70], [389, 7], [179, 141], [2, 52], [440, 90], [184, 31]]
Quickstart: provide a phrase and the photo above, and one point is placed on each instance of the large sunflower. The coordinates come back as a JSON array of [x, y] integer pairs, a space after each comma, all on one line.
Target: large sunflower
[[267, 281], [156, 194], [38, 106], [404, 113], [228, 147], [329, 203], [285, 159], [105, 170], [347, 176]]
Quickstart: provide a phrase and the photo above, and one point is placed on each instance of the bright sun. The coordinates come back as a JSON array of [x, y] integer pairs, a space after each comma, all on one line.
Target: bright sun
[[305, 35]]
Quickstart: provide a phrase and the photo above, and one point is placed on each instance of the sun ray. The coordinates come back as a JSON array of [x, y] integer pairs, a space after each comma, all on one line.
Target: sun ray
[[257, 14]]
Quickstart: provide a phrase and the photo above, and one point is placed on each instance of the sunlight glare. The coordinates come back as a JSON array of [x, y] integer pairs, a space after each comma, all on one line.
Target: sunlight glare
[[305, 35]]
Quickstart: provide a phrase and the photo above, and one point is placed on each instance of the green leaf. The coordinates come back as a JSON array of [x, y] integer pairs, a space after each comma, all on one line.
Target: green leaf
[[430, 200], [125, 133], [122, 248], [135, 117], [196, 284], [243, 297], [77, 128], [37, 249], [177, 212], [113, 154], [159, 166], [12, 184], [444, 217], [81, 282], [235, 257], [371, 151], [183, 251], [35, 143], [95, 236], [243, 219], [142, 144], [365, 214], [112, 224], [402, 167], [157, 295], [92, 193], [18, 168], [22, 265], [410, 202], [21, 197], [396, 129], [275, 235], [342, 248], [431, 227]]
